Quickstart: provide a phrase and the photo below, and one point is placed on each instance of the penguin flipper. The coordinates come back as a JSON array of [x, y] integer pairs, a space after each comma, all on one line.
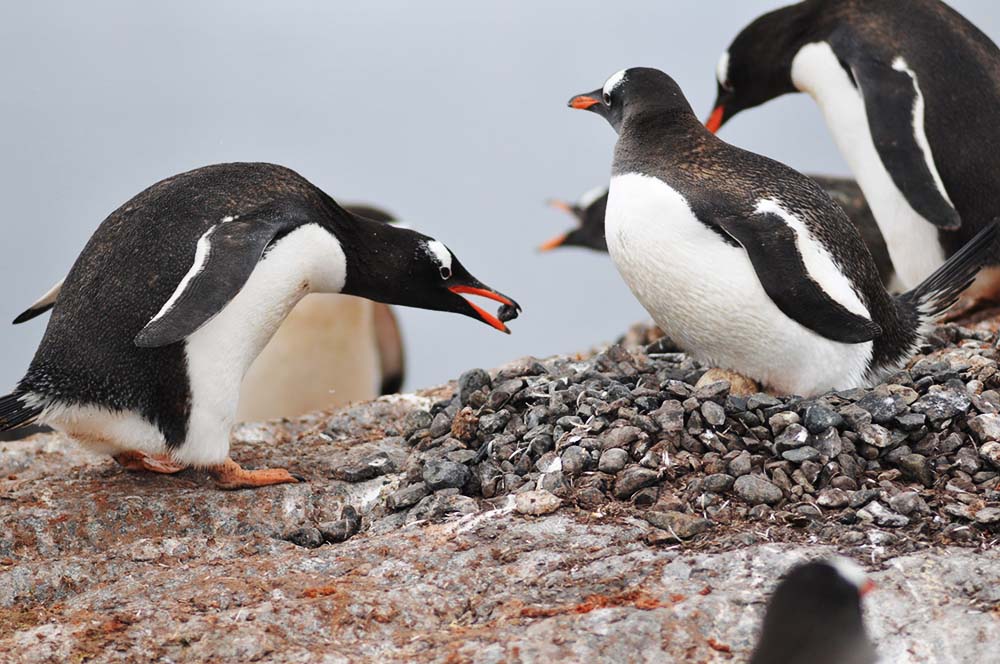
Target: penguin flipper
[[771, 246], [225, 256], [895, 109], [43, 304]]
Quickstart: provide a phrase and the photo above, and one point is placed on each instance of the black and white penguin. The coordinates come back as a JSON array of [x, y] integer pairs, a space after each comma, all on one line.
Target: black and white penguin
[[746, 263], [589, 213], [814, 616], [910, 93], [179, 289], [331, 350]]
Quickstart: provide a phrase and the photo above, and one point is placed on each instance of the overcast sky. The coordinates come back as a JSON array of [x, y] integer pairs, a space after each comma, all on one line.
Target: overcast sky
[[451, 114]]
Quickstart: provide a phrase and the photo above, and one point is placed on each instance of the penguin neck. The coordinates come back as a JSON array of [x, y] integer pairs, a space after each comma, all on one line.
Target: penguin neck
[[655, 137]]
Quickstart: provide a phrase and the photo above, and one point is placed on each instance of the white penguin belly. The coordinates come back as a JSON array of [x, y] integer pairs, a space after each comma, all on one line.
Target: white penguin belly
[[705, 295], [323, 355], [912, 240]]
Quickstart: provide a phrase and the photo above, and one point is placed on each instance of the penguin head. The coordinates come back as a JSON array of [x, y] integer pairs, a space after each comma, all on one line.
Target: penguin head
[[589, 213], [815, 606], [400, 266], [633, 92], [757, 66]]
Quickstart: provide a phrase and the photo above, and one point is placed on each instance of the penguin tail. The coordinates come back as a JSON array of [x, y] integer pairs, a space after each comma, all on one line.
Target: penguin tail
[[19, 409], [938, 292]]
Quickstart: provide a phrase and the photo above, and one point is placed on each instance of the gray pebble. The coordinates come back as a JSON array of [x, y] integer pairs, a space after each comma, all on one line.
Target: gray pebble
[[800, 454], [612, 460], [442, 474], [819, 417], [682, 526], [756, 490], [713, 413], [632, 479]]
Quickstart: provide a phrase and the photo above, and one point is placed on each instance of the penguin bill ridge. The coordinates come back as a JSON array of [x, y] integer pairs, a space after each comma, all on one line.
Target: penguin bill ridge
[[746, 263], [179, 289]]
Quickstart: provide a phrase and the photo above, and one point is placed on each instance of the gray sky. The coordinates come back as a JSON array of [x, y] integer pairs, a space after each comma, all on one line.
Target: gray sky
[[451, 114]]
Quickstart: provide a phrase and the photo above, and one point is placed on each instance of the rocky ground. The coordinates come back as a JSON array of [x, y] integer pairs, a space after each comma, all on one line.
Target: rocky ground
[[593, 507]]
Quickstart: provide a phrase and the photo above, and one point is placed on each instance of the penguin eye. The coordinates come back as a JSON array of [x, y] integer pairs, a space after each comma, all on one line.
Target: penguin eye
[[445, 272], [607, 99], [727, 86]]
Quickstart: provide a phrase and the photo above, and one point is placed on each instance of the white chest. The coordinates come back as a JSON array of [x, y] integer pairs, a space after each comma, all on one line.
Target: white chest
[[704, 293], [912, 240]]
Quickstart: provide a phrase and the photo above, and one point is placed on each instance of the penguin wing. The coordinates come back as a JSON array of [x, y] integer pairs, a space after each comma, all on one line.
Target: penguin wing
[[225, 256], [43, 304], [771, 245], [895, 108]]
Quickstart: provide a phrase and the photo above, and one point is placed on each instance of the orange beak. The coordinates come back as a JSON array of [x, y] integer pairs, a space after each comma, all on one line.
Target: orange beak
[[560, 205], [715, 119], [482, 313], [583, 102], [557, 241]]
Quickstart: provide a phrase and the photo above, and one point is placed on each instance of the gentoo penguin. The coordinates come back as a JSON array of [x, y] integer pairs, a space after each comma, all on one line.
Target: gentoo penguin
[[179, 289], [589, 214], [746, 263], [910, 93], [814, 617], [330, 350]]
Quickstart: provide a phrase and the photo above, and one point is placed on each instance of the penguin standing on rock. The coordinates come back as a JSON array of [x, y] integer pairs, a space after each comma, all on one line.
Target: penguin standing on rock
[[330, 350], [177, 292], [814, 617], [910, 93], [746, 263]]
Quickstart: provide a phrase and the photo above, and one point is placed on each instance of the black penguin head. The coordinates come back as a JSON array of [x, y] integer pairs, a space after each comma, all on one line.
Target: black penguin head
[[633, 92], [400, 266], [815, 609], [589, 212], [757, 66]]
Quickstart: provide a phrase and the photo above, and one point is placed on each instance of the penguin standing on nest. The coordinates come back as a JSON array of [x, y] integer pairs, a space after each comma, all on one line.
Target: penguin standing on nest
[[908, 91], [178, 291], [746, 263]]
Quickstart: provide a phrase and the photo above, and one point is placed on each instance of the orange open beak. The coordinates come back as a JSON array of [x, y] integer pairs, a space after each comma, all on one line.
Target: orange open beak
[[557, 241], [583, 102], [487, 317], [560, 205], [714, 122]]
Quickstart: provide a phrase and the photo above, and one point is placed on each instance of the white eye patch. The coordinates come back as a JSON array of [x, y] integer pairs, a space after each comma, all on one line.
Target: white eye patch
[[442, 256], [722, 70], [613, 82]]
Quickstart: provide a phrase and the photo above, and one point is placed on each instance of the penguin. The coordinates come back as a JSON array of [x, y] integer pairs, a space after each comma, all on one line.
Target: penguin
[[330, 350], [178, 291], [747, 264], [814, 616], [908, 91], [589, 214]]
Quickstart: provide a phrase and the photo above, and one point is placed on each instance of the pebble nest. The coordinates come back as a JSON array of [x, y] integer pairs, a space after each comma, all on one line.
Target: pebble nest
[[627, 429]]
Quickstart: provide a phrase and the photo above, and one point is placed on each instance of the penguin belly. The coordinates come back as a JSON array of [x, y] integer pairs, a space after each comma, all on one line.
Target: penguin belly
[[323, 355], [705, 295], [913, 242]]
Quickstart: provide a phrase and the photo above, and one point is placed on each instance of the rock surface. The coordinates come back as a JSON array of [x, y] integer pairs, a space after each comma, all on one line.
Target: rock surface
[[587, 508]]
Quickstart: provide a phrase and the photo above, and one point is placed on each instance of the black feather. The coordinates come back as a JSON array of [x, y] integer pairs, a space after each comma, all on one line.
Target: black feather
[[15, 412], [938, 292]]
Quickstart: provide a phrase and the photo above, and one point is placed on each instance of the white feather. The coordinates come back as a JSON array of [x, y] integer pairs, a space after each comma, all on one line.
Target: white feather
[[440, 253], [706, 296], [591, 195], [51, 295], [722, 69], [201, 253], [614, 81], [912, 240]]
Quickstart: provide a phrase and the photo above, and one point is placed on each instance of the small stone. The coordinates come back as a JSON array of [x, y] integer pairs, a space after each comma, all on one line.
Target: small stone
[[574, 460], [800, 454], [716, 391], [309, 538], [792, 436], [967, 460], [862, 497], [632, 479], [917, 467], [492, 423], [855, 417], [819, 417], [943, 404], [682, 526], [882, 515], [441, 474], [407, 496], [780, 421], [985, 427], [833, 499], [757, 490], [740, 465], [465, 424], [415, 421], [882, 407], [669, 416], [762, 400], [908, 502], [343, 528], [713, 413], [536, 502], [988, 516], [910, 421], [875, 435], [440, 425], [472, 381], [718, 482], [828, 443], [990, 453], [621, 437], [368, 468], [612, 460]]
